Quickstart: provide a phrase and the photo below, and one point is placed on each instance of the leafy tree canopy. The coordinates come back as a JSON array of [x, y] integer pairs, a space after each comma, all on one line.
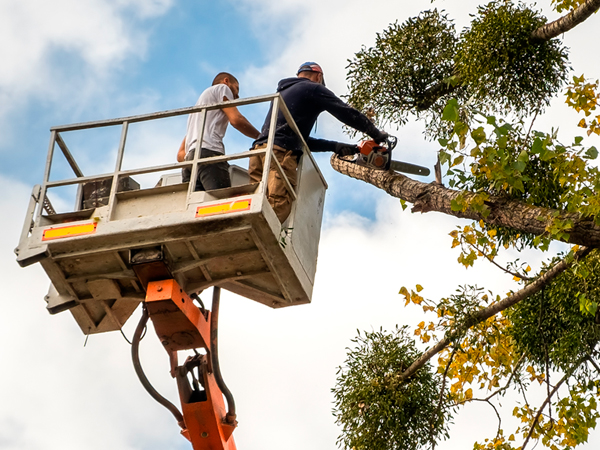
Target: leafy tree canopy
[[479, 93]]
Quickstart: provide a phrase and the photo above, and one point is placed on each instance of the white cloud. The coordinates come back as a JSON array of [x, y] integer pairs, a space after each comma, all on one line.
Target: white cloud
[[96, 34]]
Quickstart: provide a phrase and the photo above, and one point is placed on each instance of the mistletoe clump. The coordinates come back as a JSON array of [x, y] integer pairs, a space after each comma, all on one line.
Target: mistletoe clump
[[557, 326], [375, 410], [405, 69], [503, 65]]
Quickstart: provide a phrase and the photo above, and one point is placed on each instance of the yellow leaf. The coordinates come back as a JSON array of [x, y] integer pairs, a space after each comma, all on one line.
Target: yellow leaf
[[516, 279], [454, 234], [492, 233], [419, 288], [528, 269], [469, 393]]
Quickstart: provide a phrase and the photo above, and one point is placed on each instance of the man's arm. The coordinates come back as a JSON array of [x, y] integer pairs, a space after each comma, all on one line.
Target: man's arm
[[240, 123], [348, 115], [181, 151]]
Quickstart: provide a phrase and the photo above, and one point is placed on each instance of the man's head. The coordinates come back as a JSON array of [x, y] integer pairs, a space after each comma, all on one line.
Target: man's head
[[312, 71], [230, 81]]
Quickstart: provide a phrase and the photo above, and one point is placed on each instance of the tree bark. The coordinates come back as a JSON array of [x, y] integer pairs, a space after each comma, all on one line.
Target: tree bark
[[567, 22], [494, 309], [515, 214]]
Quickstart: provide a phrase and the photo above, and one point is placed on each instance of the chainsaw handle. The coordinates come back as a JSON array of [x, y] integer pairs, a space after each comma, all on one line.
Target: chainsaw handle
[[391, 142]]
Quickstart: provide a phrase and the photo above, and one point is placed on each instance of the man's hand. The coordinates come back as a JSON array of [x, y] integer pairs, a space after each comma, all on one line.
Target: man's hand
[[342, 149], [381, 137], [181, 151]]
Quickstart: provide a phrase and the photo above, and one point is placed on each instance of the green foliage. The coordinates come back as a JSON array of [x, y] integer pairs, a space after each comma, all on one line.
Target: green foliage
[[558, 324], [583, 96], [415, 66], [565, 5], [392, 78], [501, 64], [463, 86], [490, 157], [375, 411]]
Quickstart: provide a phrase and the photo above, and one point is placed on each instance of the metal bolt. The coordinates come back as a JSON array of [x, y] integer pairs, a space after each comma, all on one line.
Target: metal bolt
[[159, 288], [204, 434], [165, 342]]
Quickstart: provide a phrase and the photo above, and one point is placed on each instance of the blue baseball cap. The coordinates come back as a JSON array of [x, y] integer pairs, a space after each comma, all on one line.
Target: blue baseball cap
[[311, 67]]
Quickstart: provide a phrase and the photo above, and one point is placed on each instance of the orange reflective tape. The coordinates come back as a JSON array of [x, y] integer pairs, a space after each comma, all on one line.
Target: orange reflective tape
[[68, 231], [224, 208]]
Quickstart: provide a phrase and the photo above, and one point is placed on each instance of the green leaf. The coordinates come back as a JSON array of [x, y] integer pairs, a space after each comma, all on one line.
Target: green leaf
[[456, 205], [458, 160], [478, 135], [519, 165], [591, 153], [444, 157], [451, 111]]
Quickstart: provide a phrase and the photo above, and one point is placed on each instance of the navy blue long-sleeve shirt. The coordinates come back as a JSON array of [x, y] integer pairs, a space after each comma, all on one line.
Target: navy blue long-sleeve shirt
[[305, 100]]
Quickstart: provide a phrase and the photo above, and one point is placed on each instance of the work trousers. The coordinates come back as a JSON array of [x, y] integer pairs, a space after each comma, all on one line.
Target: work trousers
[[277, 194], [210, 176]]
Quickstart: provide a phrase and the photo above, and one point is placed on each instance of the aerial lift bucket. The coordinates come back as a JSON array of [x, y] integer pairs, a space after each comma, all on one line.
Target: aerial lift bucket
[[122, 245], [229, 238]]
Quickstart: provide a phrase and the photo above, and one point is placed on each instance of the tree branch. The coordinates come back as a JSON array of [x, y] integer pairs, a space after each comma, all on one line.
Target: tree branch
[[503, 212], [567, 22], [494, 309]]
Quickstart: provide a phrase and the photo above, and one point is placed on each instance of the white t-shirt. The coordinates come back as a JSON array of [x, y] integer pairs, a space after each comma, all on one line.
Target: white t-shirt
[[216, 120]]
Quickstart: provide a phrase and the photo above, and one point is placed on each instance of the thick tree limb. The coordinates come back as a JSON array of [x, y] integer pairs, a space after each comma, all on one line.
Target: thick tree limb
[[508, 213], [567, 22], [494, 309]]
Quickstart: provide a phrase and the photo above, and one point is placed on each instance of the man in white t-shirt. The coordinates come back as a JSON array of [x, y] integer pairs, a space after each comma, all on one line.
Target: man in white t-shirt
[[225, 87]]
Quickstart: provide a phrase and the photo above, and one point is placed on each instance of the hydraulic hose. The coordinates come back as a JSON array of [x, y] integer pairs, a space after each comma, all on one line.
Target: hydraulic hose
[[214, 355], [135, 355]]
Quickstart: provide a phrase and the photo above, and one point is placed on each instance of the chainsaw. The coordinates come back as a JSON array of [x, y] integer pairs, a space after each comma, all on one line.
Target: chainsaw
[[379, 157]]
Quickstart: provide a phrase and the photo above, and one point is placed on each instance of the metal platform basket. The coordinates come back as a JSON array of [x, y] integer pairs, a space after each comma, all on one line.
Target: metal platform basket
[[100, 256]]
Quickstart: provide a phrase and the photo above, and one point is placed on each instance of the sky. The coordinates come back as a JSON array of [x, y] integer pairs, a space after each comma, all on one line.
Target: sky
[[70, 61]]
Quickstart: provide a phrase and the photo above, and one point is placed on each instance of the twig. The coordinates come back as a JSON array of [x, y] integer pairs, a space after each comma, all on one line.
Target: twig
[[512, 375], [514, 274], [439, 407]]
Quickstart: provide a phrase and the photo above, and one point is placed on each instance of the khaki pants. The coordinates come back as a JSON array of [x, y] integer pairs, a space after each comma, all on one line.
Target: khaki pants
[[278, 196]]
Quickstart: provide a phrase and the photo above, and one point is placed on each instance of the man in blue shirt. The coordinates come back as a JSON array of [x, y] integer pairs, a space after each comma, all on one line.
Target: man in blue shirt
[[306, 97]]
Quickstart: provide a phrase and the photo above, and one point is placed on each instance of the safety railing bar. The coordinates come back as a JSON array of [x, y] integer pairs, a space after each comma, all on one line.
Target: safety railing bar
[[231, 157], [63, 146], [162, 114], [33, 202], [292, 124], [118, 165], [70, 181], [285, 179], [270, 154], [200, 125], [46, 176], [160, 168]]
